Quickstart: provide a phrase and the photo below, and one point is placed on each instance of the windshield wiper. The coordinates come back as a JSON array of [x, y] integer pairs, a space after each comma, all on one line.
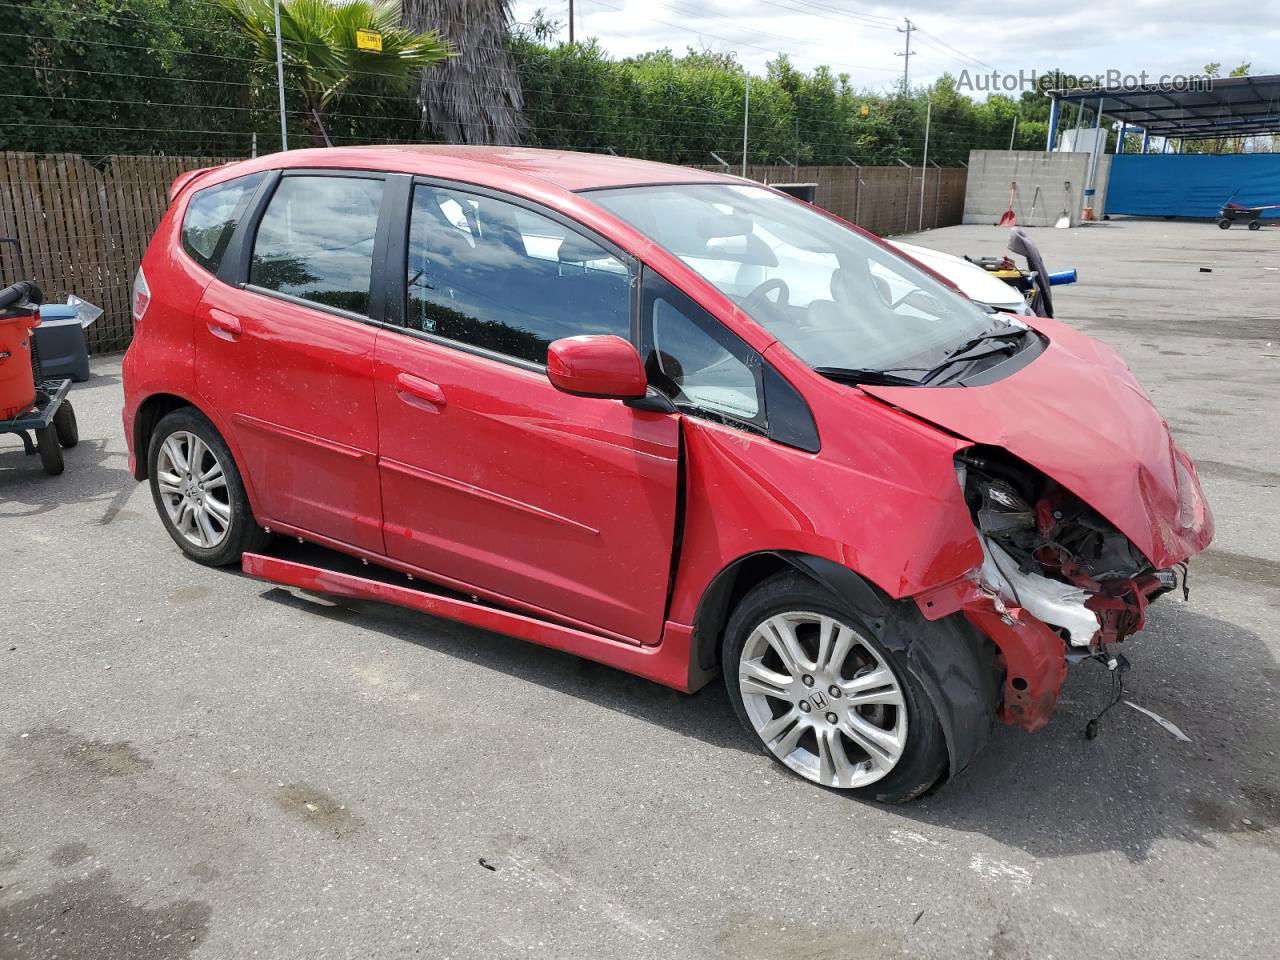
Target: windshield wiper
[[1008, 341], [886, 378]]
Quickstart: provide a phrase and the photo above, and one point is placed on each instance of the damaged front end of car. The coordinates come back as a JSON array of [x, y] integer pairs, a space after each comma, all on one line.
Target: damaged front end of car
[[1058, 582]]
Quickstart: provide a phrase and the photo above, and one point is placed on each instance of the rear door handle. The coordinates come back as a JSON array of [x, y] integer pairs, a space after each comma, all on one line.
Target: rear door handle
[[419, 392], [225, 325]]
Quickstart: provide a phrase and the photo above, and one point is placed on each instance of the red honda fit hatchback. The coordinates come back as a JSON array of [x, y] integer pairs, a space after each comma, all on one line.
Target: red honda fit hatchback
[[672, 421]]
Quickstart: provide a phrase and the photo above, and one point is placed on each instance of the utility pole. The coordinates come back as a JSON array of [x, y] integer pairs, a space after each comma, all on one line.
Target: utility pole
[[906, 55], [924, 163], [794, 174], [284, 126], [746, 117], [571, 21]]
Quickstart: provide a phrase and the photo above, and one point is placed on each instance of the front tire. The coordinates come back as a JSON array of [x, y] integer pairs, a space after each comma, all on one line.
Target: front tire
[[198, 492], [49, 450], [825, 699]]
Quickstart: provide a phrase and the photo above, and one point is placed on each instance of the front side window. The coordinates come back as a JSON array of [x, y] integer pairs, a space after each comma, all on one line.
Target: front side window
[[316, 239], [695, 360], [211, 218], [834, 297], [495, 275]]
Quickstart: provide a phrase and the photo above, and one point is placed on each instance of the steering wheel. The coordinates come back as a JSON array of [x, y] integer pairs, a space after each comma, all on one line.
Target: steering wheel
[[757, 301]]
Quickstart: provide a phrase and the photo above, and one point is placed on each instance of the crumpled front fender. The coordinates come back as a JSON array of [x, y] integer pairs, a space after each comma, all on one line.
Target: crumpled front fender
[[1033, 653]]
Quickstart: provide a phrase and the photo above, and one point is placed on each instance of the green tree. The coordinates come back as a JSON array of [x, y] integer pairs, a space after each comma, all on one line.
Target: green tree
[[322, 60]]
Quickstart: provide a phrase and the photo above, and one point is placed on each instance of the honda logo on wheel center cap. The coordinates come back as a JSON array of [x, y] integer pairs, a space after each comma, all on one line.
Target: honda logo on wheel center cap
[[818, 699]]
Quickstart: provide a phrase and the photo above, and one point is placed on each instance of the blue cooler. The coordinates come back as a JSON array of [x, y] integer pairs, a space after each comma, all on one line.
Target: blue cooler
[[60, 340]]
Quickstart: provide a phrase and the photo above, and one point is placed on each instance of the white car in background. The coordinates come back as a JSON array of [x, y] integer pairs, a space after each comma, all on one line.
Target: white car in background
[[974, 282]]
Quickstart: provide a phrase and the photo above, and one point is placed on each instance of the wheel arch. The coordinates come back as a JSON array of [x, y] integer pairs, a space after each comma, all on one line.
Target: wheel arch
[[150, 412], [954, 662], [159, 405]]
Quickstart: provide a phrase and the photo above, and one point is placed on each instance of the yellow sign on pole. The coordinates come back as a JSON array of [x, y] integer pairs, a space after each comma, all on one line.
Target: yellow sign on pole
[[369, 40], [865, 110]]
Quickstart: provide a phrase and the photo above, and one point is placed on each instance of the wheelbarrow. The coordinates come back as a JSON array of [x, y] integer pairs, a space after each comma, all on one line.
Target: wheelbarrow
[[1232, 212], [35, 408]]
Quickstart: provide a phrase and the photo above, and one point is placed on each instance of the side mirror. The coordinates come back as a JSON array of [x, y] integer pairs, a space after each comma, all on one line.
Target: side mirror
[[596, 366]]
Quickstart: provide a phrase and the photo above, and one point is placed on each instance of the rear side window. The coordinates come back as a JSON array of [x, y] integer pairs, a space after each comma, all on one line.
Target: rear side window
[[316, 240], [211, 218], [493, 274]]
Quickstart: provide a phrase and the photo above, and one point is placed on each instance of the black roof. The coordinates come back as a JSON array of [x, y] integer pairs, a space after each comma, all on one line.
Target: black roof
[[1239, 106]]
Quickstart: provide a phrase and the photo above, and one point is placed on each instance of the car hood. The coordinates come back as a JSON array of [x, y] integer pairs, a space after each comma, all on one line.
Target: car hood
[[974, 282], [1077, 414]]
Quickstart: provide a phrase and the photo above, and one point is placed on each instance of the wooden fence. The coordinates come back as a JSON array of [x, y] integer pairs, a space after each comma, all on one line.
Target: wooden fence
[[85, 225], [883, 200]]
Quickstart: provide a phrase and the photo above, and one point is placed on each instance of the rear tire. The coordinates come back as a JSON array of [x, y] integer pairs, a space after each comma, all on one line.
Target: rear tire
[[1255, 224], [198, 492], [1224, 224], [825, 699], [65, 422], [49, 449]]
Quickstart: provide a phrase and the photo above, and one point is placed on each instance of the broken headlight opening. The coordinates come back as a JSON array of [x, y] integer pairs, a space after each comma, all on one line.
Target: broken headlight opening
[[1049, 553]]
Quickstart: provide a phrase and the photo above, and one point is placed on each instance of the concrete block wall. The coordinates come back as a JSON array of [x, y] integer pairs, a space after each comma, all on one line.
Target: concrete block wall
[[990, 172], [1101, 177]]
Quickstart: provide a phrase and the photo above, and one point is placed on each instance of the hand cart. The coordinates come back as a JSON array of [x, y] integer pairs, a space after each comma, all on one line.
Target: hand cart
[[42, 416]]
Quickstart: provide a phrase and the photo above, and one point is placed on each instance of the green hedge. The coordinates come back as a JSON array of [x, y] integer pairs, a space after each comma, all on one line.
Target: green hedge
[[175, 76]]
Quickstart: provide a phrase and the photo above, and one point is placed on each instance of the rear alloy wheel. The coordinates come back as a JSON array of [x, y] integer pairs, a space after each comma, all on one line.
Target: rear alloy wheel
[[198, 491], [193, 490], [825, 698]]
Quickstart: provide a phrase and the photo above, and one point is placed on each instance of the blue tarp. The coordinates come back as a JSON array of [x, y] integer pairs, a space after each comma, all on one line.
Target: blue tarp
[[1191, 184]]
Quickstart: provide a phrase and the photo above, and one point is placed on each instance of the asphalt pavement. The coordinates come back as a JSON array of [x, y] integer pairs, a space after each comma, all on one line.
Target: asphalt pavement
[[196, 764]]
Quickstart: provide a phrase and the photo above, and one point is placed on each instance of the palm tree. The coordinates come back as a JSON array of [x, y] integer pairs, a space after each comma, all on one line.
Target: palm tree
[[321, 58], [475, 97]]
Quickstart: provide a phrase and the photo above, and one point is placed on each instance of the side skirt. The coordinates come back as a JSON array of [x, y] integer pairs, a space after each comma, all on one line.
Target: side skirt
[[667, 663]]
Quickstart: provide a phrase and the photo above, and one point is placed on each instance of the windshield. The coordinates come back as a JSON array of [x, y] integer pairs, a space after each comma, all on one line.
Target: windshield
[[833, 296]]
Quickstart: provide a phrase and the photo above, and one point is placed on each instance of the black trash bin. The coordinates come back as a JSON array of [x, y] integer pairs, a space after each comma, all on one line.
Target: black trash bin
[[61, 341], [808, 192]]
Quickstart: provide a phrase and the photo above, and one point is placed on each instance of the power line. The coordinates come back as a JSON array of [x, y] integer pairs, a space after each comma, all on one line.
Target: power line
[[772, 34], [964, 55], [741, 43], [883, 23]]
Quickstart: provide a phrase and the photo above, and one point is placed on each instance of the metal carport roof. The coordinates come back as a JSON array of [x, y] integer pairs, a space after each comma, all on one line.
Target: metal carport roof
[[1231, 106]]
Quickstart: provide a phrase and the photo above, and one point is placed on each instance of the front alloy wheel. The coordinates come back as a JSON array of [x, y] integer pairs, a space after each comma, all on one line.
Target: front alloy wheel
[[822, 699], [825, 698]]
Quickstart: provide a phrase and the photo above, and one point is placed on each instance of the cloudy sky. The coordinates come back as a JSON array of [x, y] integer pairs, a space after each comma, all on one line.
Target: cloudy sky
[[859, 38]]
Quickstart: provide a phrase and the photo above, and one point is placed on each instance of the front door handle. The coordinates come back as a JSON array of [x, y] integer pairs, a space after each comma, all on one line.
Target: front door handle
[[225, 325], [419, 392]]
